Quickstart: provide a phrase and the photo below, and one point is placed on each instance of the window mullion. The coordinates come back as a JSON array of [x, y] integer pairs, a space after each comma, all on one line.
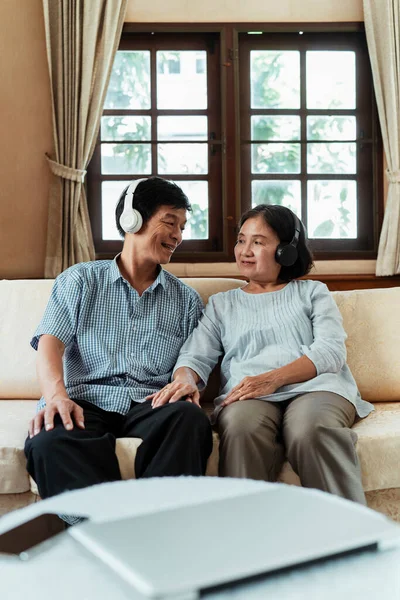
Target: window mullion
[[153, 96], [303, 134]]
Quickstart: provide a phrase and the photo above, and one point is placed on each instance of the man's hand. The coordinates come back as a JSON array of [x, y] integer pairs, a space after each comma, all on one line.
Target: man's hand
[[180, 388], [68, 410], [253, 387]]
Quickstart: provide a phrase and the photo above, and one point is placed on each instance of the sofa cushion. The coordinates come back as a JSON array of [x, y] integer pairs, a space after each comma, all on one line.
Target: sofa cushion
[[372, 322], [14, 418], [378, 447], [22, 305]]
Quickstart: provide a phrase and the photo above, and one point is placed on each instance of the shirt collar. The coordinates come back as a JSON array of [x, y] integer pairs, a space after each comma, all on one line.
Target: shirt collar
[[115, 274], [160, 280]]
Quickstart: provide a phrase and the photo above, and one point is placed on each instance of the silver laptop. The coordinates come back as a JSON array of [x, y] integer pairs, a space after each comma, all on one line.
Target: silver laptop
[[183, 552]]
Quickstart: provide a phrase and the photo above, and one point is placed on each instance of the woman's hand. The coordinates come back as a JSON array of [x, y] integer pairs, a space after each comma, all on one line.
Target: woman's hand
[[184, 386], [253, 387]]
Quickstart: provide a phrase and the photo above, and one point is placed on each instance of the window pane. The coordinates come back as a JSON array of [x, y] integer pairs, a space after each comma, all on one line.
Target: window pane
[[169, 63], [332, 209], [331, 79], [331, 128], [186, 88], [110, 193], [183, 158], [125, 128], [275, 128], [129, 85], [275, 79], [125, 159], [331, 158], [182, 128], [275, 158], [197, 224], [285, 193]]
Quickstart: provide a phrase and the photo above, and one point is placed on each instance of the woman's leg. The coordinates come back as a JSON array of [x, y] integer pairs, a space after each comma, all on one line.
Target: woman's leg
[[250, 440], [320, 445]]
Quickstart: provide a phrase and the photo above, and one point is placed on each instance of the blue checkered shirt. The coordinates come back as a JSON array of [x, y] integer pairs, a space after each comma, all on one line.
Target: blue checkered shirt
[[119, 346]]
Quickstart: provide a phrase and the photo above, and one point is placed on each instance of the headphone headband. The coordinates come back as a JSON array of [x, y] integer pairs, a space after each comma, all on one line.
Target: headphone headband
[[297, 230], [130, 192]]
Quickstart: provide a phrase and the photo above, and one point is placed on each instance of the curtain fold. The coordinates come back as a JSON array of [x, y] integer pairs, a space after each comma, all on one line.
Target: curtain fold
[[82, 38], [382, 26]]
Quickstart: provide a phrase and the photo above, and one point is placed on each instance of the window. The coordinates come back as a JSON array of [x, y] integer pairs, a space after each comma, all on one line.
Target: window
[[161, 117], [308, 133], [238, 119]]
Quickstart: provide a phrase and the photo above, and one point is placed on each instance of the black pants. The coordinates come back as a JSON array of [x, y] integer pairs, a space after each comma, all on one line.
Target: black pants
[[177, 440]]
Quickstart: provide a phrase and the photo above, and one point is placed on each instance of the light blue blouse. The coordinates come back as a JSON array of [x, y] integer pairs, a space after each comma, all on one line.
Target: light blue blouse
[[257, 333]]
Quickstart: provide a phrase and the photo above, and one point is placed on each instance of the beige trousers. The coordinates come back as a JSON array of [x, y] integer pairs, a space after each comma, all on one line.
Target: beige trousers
[[311, 430]]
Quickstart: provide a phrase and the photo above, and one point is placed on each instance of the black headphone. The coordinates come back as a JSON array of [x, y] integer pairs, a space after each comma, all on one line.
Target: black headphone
[[286, 254]]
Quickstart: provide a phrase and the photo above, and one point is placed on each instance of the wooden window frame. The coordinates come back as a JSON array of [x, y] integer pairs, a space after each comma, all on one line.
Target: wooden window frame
[[231, 185], [366, 141]]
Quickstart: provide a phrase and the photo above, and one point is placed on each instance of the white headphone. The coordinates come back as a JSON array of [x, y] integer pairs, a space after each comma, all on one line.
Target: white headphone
[[131, 220]]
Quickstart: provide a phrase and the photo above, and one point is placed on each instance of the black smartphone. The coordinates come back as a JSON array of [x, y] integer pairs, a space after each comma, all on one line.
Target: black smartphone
[[22, 538]]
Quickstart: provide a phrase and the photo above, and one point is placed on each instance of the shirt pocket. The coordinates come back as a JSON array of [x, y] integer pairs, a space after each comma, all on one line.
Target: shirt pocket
[[162, 351]]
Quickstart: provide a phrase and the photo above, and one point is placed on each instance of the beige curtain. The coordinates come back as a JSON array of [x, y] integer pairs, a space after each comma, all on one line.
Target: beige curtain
[[82, 37], [382, 25]]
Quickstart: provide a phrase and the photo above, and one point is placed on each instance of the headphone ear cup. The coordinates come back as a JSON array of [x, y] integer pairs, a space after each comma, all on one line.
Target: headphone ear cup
[[286, 255], [131, 221]]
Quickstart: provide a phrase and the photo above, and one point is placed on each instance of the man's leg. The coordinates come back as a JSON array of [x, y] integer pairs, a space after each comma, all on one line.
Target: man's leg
[[321, 447], [60, 460], [177, 439], [250, 440]]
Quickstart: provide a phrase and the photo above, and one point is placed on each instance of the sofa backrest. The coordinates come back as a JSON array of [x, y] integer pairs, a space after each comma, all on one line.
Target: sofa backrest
[[22, 303], [371, 319]]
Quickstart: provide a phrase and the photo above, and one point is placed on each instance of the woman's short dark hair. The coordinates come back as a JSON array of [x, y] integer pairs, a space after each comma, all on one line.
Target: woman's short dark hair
[[281, 219], [149, 196]]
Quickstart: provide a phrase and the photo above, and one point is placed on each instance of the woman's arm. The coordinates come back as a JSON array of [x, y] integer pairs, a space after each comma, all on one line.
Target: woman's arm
[[328, 349], [297, 371], [265, 384], [202, 349], [197, 358]]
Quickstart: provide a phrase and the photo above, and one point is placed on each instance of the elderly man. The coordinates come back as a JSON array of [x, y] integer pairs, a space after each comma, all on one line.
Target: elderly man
[[108, 340]]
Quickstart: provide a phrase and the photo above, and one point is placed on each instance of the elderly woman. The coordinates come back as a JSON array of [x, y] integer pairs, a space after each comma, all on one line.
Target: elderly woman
[[285, 386]]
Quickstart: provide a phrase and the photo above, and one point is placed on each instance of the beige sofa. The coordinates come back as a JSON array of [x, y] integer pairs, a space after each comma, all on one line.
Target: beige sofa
[[371, 319]]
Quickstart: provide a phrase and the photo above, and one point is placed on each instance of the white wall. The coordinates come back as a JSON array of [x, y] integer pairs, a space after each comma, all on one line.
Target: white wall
[[182, 11]]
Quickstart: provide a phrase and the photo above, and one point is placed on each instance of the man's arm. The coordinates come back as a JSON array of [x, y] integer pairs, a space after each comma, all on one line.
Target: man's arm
[[197, 357], [50, 374], [49, 367]]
